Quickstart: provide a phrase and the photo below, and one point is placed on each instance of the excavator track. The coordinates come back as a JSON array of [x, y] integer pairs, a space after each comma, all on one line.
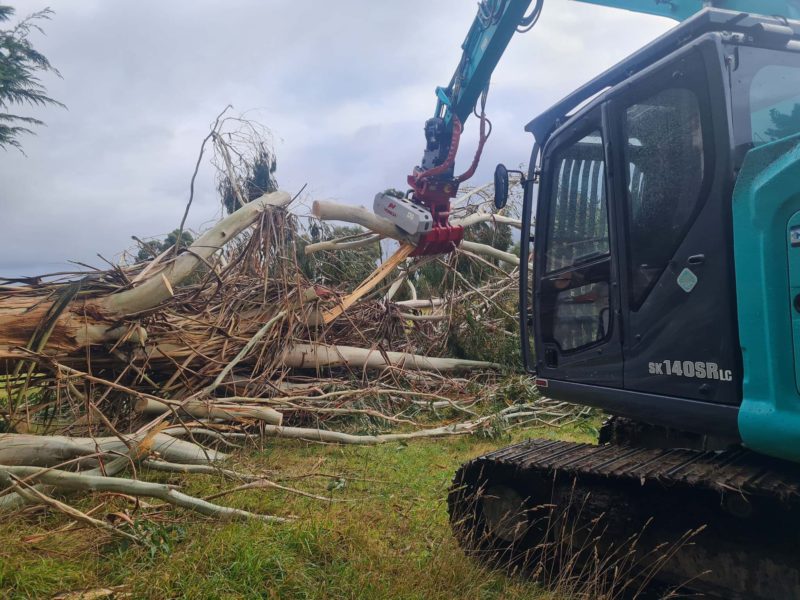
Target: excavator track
[[723, 523]]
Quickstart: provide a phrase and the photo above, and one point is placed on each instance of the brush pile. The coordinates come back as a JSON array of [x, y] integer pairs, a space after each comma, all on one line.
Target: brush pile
[[169, 363]]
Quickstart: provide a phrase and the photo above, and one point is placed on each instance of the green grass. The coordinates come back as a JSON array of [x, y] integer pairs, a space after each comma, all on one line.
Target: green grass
[[384, 534]]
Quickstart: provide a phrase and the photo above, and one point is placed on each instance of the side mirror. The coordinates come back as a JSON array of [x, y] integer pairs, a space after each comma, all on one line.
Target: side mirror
[[500, 186]]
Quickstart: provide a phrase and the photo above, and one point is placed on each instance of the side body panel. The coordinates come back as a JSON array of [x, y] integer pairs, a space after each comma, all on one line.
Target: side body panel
[[765, 206]]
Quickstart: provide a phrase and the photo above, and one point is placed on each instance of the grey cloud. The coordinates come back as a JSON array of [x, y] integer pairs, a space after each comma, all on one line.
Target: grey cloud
[[345, 86]]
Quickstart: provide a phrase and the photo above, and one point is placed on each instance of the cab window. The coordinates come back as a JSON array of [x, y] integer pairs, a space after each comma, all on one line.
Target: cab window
[[665, 169], [578, 222], [577, 248]]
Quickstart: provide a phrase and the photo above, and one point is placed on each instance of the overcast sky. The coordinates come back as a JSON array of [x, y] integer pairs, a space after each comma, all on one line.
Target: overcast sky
[[345, 86]]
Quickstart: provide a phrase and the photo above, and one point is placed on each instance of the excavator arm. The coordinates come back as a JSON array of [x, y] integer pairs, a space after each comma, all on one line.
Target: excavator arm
[[433, 183], [426, 209], [488, 37]]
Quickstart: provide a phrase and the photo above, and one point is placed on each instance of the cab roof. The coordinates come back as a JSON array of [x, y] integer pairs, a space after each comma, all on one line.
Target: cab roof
[[705, 21]]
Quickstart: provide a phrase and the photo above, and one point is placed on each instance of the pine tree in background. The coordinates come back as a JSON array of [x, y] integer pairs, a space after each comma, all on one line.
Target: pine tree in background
[[153, 248], [258, 176], [20, 65], [784, 124]]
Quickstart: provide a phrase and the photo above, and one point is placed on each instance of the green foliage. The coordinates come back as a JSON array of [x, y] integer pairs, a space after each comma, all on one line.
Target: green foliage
[[159, 539], [434, 277], [490, 335], [153, 248], [20, 64], [515, 389], [345, 268], [785, 124], [258, 179]]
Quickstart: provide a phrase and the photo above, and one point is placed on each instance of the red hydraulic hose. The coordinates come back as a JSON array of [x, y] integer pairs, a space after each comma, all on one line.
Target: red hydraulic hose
[[483, 137]]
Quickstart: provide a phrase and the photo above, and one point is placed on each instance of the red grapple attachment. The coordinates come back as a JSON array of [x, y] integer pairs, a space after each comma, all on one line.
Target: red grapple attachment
[[435, 195], [440, 240]]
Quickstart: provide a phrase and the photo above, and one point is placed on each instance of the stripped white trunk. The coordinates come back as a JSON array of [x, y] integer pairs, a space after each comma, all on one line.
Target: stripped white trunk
[[310, 356], [51, 450]]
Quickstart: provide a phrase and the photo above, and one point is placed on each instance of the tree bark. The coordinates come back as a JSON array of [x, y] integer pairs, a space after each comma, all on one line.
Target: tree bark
[[212, 409], [333, 211], [337, 437], [487, 250], [153, 291], [63, 480]]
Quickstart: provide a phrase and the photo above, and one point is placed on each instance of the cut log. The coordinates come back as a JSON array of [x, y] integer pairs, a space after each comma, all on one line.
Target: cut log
[[484, 217], [333, 211], [421, 304], [84, 322], [314, 356], [337, 437], [153, 290], [487, 250]]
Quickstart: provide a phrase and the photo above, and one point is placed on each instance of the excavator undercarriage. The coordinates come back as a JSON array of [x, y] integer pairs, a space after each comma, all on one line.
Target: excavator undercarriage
[[721, 522]]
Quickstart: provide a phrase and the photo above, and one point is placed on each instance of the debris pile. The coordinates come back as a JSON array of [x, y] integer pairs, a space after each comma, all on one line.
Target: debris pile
[[169, 363]]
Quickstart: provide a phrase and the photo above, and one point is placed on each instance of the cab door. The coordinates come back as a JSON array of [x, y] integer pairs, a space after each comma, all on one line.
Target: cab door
[[674, 184], [576, 309]]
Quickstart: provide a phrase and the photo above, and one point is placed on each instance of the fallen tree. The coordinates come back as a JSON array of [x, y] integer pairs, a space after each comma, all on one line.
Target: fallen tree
[[173, 362], [65, 320]]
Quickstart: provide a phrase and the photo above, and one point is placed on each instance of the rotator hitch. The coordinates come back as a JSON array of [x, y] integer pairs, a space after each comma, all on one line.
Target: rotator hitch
[[433, 186]]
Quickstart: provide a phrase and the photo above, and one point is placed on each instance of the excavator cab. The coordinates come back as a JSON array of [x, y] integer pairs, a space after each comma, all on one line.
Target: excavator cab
[[632, 299]]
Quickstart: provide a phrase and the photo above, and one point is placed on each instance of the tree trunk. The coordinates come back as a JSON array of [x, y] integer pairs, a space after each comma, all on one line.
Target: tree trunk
[[87, 321], [212, 409], [311, 356], [51, 450]]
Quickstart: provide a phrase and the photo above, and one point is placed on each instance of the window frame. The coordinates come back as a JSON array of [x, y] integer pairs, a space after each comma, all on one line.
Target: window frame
[[567, 351], [592, 120], [750, 59]]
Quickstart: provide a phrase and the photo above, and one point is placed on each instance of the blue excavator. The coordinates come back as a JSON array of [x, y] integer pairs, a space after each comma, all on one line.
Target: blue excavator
[[659, 282]]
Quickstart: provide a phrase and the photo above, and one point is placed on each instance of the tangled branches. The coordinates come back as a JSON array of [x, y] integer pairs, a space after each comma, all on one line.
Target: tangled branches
[[172, 362]]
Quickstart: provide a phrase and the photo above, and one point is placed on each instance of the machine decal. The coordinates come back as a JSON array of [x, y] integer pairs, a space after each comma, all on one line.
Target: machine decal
[[689, 368], [687, 280], [794, 236]]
